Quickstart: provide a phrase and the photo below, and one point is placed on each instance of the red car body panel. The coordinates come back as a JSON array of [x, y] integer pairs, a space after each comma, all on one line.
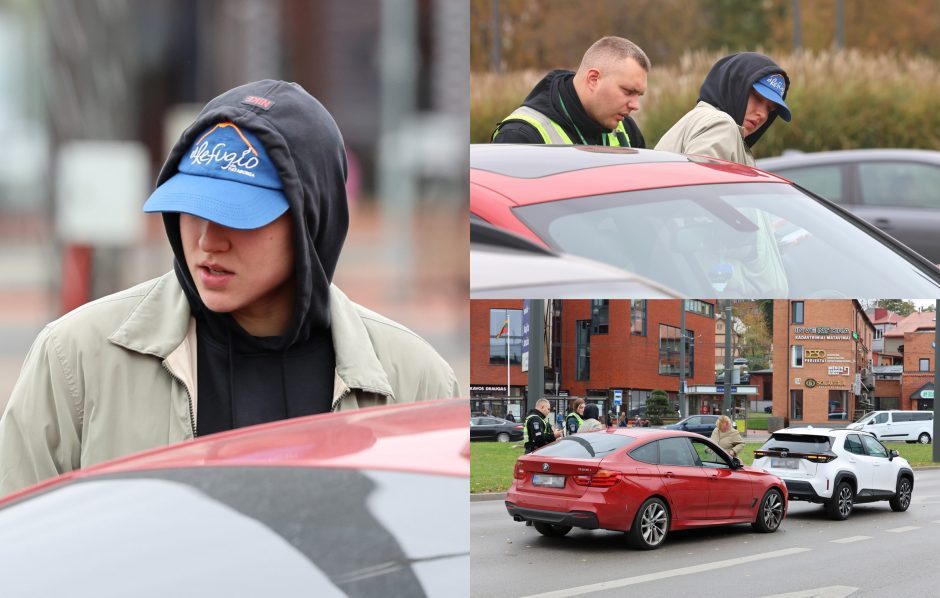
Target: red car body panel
[[493, 194], [427, 438], [696, 496]]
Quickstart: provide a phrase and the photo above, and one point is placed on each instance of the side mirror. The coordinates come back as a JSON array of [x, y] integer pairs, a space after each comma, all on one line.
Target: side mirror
[[892, 454], [736, 463]]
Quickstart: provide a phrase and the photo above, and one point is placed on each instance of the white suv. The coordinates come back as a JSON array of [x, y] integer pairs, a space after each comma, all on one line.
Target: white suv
[[837, 468]]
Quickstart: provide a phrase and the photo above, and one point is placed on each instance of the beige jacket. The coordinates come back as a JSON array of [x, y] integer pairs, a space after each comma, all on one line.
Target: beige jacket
[[729, 441], [707, 131], [118, 375]]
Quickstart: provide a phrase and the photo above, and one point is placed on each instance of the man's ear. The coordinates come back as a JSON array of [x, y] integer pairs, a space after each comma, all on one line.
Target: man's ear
[[593, 75]]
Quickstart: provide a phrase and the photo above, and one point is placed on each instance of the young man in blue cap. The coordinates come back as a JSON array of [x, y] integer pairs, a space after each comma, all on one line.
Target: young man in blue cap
[[740, 98], [247, 328]]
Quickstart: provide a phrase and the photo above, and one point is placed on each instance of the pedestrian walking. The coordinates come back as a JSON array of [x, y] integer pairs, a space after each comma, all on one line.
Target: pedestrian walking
[[591, 106], [247, 327]]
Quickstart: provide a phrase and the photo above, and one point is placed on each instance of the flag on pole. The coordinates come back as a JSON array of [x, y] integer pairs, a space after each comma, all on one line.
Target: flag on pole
[[504, 329]]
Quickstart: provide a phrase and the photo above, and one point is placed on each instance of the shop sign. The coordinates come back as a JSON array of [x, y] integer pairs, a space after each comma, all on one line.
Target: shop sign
[[823, 356], [486, 388], [838, 370], [821, 333], [812, 383]]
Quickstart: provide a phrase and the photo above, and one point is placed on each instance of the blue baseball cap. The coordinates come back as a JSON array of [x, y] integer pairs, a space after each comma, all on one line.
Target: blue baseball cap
[[227, 178], [773, 87]]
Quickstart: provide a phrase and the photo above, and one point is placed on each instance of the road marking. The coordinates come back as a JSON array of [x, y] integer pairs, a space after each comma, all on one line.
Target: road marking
[[851, 539], [901, 530], [827, 592], [629, 581]]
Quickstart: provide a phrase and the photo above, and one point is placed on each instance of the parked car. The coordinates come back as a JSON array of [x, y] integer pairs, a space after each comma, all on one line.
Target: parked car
[[910, 426], [494, 428], [646, 482], [837, 468], [703, 227], [317, 506], [700, 424], [894, 189], [506, 266]]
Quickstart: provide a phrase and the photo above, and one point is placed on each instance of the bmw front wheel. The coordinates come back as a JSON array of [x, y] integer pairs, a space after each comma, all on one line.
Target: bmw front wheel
[[770, 512]]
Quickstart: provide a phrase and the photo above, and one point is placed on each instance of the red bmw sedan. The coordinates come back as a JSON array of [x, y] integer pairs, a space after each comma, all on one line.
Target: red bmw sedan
[[643, 481], [371, 502], [700, 226]]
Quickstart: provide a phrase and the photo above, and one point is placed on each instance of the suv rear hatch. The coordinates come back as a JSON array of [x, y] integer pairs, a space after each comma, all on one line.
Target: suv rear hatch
[[794, 455], [570, 465]]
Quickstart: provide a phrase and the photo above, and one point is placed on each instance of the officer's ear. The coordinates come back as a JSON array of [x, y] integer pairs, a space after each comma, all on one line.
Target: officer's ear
[[592, 78]]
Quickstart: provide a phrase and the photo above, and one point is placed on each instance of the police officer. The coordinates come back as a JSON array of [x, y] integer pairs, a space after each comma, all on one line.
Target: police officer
[[589, 107], [573, 420], [538, 430]]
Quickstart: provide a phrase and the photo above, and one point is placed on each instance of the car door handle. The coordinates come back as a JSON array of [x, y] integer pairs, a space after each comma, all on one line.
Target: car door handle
[[668, 474]]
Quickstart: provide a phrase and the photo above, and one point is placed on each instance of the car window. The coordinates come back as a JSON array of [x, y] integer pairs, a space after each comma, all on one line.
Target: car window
[[648, 453], [707, 456], [903, 184], [798, 443], [920, 416], [873, 447], [899, 417], [593, 445], [853, 444], [676, 451], [880, 418], [474, 421], [490, 421], [729, 240], [694, 421], [825, 181], [710, 420]]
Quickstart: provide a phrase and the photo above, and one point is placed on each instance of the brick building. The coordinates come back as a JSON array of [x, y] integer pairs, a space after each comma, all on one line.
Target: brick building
[[596, 349], [918, 374], [822, 361]]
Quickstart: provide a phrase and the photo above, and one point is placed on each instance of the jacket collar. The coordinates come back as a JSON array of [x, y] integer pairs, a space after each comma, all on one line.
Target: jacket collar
[[158, 325]]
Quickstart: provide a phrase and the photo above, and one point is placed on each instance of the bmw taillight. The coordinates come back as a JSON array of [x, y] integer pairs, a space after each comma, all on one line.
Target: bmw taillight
[[519, 473], [601, 479]]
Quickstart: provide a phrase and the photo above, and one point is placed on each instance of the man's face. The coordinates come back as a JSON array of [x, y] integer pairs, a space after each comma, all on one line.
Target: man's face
[[758, 111], [246, 273], [543, 408], [615, 93]]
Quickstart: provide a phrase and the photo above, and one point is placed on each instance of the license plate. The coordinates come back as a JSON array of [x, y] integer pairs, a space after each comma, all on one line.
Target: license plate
[[548, 481], [785, 463]]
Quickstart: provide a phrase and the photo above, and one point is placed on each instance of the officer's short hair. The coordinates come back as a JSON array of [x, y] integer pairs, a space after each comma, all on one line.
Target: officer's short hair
[[542, 401], [613, 48]]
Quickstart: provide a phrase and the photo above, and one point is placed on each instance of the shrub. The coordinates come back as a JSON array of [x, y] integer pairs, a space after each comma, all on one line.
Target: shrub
[[657, 407]]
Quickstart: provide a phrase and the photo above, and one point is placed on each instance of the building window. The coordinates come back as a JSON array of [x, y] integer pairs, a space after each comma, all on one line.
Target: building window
[[838, 404], [796, 312], [879, 333], [796, 404], [670, 349], [583, 369], [697, 306], [505, 329], [600, 316], [796, 356], [638, 317], [924, 364]]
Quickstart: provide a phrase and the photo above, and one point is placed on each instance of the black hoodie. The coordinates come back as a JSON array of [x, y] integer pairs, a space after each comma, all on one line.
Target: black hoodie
[[729, 82], [544, 97], [242, 379]]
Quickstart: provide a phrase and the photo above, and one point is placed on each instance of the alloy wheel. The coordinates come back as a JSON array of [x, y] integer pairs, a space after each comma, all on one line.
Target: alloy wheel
[[653, 524], [845, 501], [772, 511]]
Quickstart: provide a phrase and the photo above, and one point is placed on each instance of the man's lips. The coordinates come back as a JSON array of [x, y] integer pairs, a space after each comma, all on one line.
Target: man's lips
[[213, 275]]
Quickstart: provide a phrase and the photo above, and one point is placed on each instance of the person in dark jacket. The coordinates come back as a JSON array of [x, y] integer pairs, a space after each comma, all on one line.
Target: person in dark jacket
[[538, 429], [589, 107]]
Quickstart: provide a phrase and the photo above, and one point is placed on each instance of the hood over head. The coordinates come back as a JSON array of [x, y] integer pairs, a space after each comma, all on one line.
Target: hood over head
[[591, 411], [302, 171], [730, 81]]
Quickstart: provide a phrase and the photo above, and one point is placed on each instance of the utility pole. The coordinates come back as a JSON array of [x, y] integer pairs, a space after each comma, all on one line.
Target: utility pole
[[936, 383], [536, 387], [683, 405], [728, 360]]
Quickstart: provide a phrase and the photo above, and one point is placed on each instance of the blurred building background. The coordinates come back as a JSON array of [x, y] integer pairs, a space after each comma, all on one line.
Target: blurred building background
[[96, 91]]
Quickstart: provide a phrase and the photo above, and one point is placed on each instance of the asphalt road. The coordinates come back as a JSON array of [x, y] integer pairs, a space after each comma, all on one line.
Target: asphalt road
[[876, 552]]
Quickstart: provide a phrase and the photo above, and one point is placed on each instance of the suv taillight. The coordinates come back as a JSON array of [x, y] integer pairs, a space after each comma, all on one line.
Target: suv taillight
[[819, 458], [601, 479], [813, 457]]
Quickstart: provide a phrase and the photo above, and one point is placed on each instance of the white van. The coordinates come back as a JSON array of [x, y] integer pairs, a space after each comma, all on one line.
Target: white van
[[898, 425]]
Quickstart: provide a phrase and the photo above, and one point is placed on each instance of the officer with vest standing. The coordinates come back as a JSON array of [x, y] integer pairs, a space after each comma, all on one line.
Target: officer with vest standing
[[538, 430], [589, 107], [574, 419]]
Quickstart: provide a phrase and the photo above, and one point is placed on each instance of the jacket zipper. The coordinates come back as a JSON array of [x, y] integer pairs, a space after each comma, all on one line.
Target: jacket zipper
[[192, 417]]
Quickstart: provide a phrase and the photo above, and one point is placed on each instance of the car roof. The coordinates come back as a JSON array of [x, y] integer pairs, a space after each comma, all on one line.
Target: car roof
[[528, 174], [645, 433], [793, 159], [500, 273], [428, 437], [818, 431]]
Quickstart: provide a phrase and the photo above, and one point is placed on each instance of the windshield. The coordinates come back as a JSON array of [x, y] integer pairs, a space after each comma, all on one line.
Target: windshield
[[865, 418], [729, 240]]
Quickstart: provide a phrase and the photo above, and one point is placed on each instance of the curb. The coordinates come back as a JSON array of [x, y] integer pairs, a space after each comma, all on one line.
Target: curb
[[482, 496]]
